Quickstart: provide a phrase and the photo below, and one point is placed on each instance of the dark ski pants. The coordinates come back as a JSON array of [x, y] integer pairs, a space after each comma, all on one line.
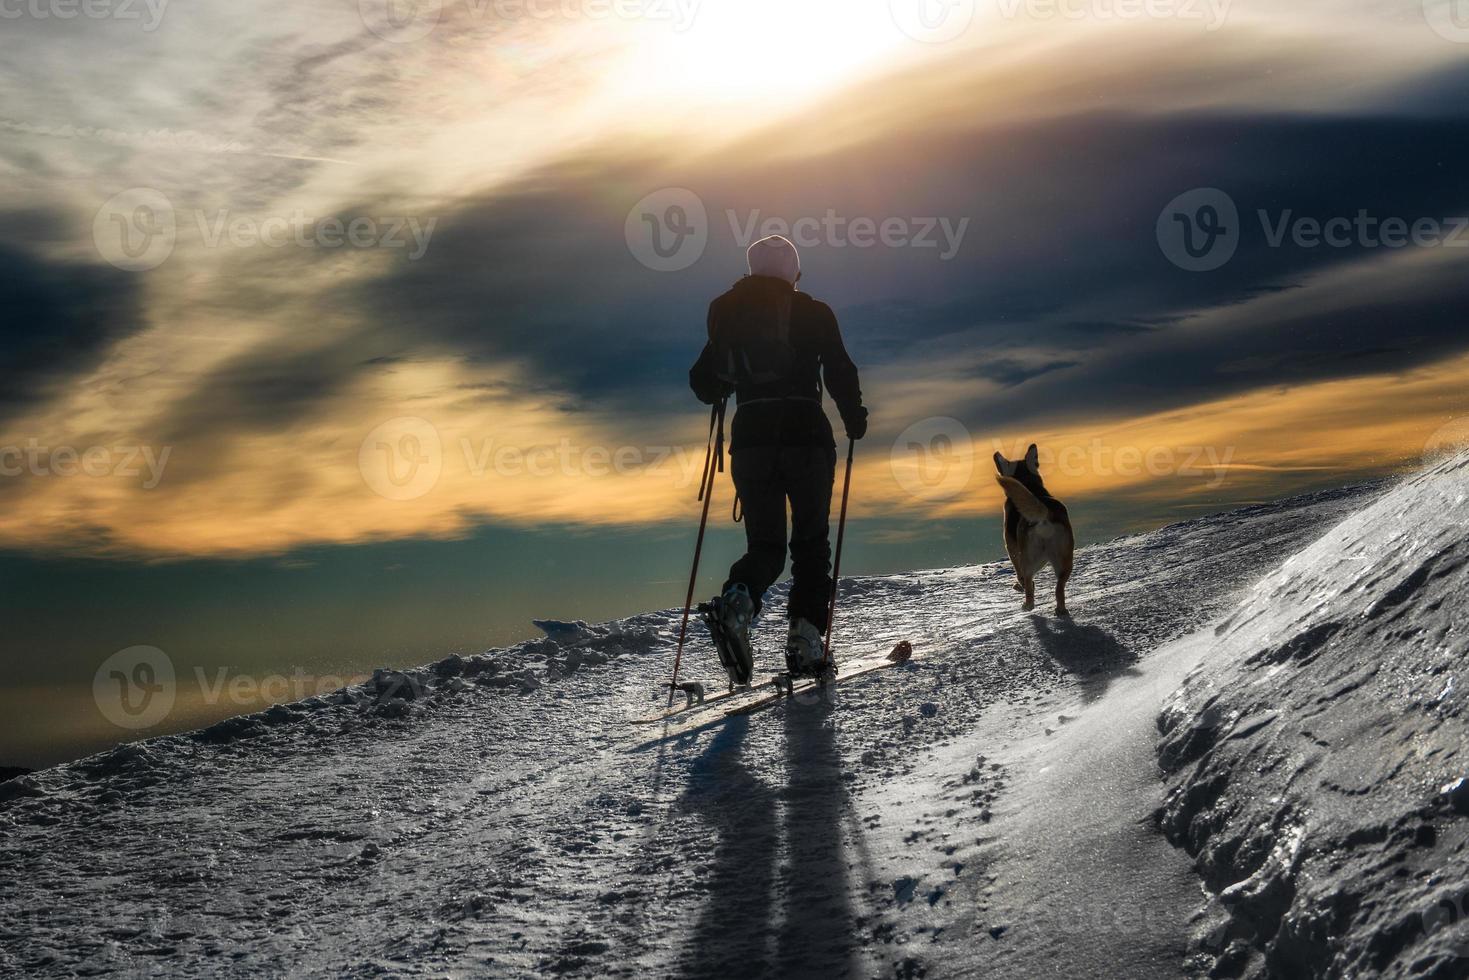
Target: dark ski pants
[[766, 478]]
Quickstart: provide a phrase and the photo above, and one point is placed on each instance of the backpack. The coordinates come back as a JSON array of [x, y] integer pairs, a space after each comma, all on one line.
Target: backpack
[[752, 338]]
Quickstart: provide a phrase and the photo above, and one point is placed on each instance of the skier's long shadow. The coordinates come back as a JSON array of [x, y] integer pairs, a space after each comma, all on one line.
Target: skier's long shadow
[[746, 890], [818, 935], [729, 938]]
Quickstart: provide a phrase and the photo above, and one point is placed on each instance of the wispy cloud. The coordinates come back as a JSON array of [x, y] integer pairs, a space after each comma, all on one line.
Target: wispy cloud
[[517, 147]]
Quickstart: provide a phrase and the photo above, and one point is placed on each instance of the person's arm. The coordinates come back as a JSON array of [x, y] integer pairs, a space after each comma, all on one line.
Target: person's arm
[[708, 386], [840, 375]]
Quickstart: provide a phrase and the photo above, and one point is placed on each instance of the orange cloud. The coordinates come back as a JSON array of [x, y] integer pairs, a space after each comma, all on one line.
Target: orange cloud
[[1261, 444], [348, 477]]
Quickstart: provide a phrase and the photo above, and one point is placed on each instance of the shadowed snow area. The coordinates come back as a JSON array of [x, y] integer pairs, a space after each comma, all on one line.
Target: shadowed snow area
[[1319, 758], [986, 809]]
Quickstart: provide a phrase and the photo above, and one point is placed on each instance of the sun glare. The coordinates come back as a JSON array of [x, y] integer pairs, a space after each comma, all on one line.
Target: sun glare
[[772, 52]]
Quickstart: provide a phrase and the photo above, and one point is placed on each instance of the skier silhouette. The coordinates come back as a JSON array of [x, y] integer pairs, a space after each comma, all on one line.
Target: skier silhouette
[[772, 346]]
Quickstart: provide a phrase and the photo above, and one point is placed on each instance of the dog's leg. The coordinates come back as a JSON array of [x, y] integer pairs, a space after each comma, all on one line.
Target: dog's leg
[[1063, 573], [1029, 594], [1012, 548]]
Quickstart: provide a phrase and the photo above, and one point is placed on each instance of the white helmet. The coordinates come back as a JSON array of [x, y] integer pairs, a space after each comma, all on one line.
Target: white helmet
[[775, 256]]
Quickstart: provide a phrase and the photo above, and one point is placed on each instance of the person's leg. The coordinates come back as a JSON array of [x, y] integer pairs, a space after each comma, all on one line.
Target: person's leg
[[809, 474], [756, 478]]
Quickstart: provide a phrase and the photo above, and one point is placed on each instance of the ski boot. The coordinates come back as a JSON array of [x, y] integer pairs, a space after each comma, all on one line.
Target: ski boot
[[728, 618], [805, 653]]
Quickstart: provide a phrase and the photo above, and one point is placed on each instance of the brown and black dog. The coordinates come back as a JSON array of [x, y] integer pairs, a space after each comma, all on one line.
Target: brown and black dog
[[1037, 528]]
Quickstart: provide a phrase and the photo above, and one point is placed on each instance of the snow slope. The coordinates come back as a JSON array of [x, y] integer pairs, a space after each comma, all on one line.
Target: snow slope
[[1320, 758], [982, 810]]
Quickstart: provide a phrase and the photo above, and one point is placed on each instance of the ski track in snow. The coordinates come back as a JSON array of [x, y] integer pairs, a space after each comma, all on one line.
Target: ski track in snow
[[499, 825]]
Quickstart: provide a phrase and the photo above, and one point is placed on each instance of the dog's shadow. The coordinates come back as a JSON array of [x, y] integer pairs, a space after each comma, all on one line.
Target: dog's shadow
[[1090, 653]]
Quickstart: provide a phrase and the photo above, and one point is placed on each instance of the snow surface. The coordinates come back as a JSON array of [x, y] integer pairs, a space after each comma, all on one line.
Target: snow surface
[[1320, 754], [983, 810]]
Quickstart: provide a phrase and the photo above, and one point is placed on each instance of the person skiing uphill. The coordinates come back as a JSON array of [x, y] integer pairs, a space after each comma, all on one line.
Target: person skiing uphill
[[772, 346]]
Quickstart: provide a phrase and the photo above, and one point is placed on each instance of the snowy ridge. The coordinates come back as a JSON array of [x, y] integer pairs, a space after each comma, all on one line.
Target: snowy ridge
[[483, 815], [1319, 757], [389, 693]]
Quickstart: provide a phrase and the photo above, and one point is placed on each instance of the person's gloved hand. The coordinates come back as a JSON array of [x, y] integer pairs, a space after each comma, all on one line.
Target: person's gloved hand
[[856, 424], [710, 392]]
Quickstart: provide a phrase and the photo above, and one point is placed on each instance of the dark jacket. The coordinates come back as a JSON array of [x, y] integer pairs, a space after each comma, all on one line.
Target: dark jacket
[[788, 413]]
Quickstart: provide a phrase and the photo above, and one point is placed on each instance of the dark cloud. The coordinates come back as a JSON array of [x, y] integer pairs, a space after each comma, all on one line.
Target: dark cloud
[[57, 319], [1423, 320], [1059, 267], [1010, 372], [266, 391]]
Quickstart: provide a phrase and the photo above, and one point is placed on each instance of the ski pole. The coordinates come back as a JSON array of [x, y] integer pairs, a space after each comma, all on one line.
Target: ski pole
[[836, 570], [712, 466]]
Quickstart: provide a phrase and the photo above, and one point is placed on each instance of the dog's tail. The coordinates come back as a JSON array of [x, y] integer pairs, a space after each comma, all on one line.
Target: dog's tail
[[1030, 508]]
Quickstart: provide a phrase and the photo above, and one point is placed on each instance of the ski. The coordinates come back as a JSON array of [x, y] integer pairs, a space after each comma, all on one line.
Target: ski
[[787, 687], [693, 704], [695, 696], [694, 720]]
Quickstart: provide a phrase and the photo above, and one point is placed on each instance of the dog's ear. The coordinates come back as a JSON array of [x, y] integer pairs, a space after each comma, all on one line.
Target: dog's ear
[[1000, 462], [1033, 459]]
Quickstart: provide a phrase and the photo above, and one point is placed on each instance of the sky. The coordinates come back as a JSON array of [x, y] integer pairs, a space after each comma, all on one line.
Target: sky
[[353, 333]]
